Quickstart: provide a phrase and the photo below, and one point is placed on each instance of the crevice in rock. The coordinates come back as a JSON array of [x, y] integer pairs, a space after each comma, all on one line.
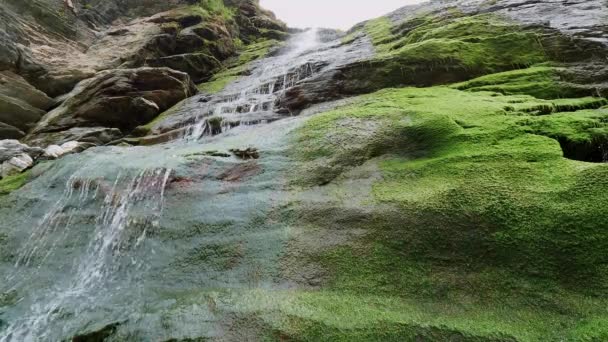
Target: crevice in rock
[[595, 151], [99, 335]]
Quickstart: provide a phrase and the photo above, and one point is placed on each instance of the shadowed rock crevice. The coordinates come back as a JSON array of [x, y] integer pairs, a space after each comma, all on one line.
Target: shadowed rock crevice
[[595, 151]]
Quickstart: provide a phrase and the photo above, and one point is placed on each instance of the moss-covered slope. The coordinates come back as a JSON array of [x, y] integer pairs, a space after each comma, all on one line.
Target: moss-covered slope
[[475, 214]]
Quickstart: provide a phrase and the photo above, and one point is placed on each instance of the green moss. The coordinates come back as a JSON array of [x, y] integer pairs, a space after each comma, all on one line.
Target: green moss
[[218, 82], [482, 41], [457, 145], [379, 31], [217, 8], [12, 183], [238, 66], [579, 126], [332, 315], [256, 51], [438, 50], [350, 37], [145, 129], [540, 81], [476, 213]]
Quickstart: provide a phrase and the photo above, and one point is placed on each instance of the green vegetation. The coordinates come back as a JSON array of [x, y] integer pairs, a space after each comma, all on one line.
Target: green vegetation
[[12, 183], [477, 42], [217, 8], [238, 66], [333, 315], [431, 50], [541, 81], [379, 31], [478, 227]]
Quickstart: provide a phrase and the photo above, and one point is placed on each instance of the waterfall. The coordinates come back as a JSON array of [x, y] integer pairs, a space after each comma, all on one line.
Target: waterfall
[[98, 211], [126, 210], [252, 99]]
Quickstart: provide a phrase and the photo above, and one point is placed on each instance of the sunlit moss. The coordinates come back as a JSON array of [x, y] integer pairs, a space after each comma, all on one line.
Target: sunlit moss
[[476, 212], [238, 66], [12, 183]]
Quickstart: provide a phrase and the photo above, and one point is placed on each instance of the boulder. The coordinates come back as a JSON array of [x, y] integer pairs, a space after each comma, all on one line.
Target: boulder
[[15, 86], [10, 132], [18, 114], [91, 135], [21, 105], [12, 148], [56, 151], [123, 99], [200, 66], [16, 157], [254, 21], [16, 165]]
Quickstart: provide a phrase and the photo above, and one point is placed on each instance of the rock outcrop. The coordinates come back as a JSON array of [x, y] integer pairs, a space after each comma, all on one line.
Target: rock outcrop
[[122, 99], [436, 174], [49, 47], [451, 41], [16, 157]]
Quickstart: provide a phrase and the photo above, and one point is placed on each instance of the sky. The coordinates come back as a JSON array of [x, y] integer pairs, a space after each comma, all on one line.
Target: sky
[[339, 14]]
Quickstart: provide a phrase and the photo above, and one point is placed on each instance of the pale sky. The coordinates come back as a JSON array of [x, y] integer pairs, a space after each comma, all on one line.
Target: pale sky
[[340, 14]]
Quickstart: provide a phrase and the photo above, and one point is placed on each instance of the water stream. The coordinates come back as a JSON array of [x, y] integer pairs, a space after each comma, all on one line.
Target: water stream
[[112, 234]]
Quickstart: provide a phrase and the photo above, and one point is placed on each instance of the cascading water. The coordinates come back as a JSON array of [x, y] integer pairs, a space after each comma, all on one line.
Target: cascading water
[[101, 254], [130, 202], [252, 99]]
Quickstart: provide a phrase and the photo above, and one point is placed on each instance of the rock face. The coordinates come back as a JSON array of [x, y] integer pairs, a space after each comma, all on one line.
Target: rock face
[[121, 99], [474, 47], [49, 47], [436, 174], [16, 157], [21, 105], [257, 22]]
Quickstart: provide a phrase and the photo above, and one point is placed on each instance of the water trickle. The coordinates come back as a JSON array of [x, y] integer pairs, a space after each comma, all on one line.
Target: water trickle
[[91, 245], [251, 100], [126, 210]]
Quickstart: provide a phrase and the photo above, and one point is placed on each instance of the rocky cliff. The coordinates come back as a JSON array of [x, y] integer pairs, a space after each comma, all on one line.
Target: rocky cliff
[[49, 47], [196, 171]]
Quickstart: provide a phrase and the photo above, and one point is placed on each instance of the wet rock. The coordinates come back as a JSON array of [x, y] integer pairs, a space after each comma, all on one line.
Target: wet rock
[[56, 151], [18, 114], [248, 153], [240, 172], [578, 40], [215, 125], [120, 99], [99, 335], [200, 66], [591, 77], [92, 135], [13, 148], [210, 154], [16, 165]]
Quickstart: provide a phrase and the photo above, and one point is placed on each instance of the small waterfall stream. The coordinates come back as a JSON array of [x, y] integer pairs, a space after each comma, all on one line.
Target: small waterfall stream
[[129, 202], [88, 258], [252, 99]]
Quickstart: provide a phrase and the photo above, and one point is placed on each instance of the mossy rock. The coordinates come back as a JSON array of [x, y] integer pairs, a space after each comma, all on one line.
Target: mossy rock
[[477, 207], [12, 183]]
